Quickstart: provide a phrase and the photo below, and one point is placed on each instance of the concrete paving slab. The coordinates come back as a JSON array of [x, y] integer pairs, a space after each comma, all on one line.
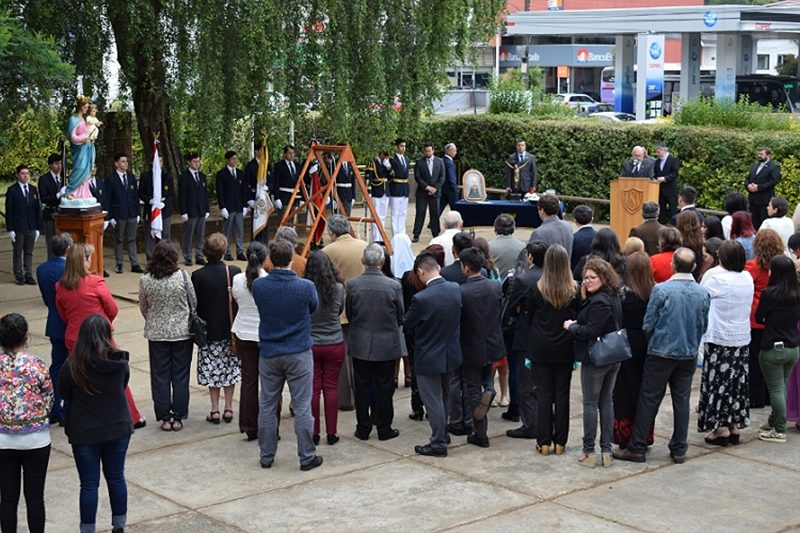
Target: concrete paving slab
[[717, 493], [410, 497], [189, 522], [782, 455]]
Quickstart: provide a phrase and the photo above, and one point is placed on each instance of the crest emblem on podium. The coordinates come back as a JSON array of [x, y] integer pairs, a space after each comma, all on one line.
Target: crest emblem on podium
[[632, 200]]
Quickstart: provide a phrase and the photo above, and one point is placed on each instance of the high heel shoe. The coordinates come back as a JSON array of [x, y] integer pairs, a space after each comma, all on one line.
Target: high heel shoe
[[735, 439], [560, 449], [607, 459], [718, 439], [589, 460]]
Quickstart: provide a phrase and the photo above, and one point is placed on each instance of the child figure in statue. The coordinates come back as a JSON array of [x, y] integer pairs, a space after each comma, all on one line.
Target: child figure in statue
[[93, 122]]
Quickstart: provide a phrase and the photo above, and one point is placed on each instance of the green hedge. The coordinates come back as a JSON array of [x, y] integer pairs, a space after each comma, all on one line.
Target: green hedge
[[580, 157]]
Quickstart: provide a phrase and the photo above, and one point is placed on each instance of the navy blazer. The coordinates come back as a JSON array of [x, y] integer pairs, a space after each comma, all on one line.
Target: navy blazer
[[48, 193], [232, 193], [193, 196], [670, 173], [435, 319], [346, 183], [121, 202], [450, 176], [766, 180], [99, 192], [398, 182], [23, 213], [251, 179], [581, 244], [47, 275], [167, 193], [425, 178], [481, 336]]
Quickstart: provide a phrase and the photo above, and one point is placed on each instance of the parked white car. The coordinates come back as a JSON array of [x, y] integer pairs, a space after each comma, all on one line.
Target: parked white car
[[573, 99]]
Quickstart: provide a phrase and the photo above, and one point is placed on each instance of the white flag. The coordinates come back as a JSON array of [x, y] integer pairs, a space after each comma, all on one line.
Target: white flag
[[156, 224]]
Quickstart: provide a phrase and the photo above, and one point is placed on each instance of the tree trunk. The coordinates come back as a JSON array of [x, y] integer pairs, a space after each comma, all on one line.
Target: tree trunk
[[140, 55]]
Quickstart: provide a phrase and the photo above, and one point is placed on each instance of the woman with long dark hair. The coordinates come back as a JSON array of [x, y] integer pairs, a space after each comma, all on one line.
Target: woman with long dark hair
[[712, 227], [724, 392], [635, 293], [779, 311], [691, 229], [98, 422], [328, 348], [734, 201], [26, 397], [245, 330], [165, 299], [605, 245]]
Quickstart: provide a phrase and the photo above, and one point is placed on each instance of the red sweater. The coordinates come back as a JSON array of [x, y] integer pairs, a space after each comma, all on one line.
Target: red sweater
[[760, 281], [92, 296], [662, 266]]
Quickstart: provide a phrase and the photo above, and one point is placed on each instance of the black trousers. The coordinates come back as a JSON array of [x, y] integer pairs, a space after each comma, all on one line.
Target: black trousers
[[248, 391], [552, 393], [759, 396], [668, 207], [527, 395], [759, 214], [22, 260], [416, 399], [476, 379], [169, 378], [382, 372], [29, 466], [430, 204], [449, 198]]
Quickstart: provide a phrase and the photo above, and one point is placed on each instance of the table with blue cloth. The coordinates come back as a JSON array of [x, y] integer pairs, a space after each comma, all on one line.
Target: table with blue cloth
[[525, 214]]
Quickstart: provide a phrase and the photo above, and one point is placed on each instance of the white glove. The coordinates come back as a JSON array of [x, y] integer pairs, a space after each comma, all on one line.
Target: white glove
[[161, 205], [184, 217], [105, 225], [224, 213], [62, 192], [244, 212], [113, 223], [13, 236], [387, 165], [152, 201], [278, 204], [207, 216], [36, 235], [251, 204], [138, 219]]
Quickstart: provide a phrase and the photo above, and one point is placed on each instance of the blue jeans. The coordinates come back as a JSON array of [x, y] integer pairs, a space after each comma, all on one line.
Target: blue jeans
[[58, 356], [88, 458], [597, 385], [297, 370]]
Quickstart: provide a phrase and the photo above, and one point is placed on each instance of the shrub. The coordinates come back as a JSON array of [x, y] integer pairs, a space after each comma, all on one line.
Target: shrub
[[508, 95], [742, 114]]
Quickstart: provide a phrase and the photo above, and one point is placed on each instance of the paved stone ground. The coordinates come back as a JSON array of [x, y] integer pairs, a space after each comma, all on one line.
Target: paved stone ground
[[207, 478]]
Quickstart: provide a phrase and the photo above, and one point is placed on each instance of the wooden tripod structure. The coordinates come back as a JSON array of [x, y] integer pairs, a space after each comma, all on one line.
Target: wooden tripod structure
[[317, 214]]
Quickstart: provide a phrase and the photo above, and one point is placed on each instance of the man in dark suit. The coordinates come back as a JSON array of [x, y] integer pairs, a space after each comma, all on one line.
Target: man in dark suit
[[686, 200], [649, 229], [481, 341], [345, 186], [97, 186], [23, 223], [123, 211], [666, 173], [232, 193], [638, 166], [450, 187], [51, 189], [286, 174], [374, 308], [453, 272], [398, 187], [48, 274], [251, 178], [582, 238], [521, 175], [434, 318], [194, 206], [167, 198], [761, 182], [429, 175]]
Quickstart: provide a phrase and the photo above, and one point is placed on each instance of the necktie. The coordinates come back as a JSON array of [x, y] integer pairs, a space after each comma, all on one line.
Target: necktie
[[93, 184], [430, 166], [760, 168], [58, 180], [196, 178], [233, 173], [25, 191], [636, 168], [291, 167], [124, 181], [403, 162], [520, 158]]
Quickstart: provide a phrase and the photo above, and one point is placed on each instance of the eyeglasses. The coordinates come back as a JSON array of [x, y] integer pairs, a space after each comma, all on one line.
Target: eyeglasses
[[590, 278]]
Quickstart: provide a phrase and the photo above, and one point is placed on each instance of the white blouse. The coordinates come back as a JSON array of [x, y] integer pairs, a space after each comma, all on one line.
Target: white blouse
[[729, 315], [245, 325], [783, 226]]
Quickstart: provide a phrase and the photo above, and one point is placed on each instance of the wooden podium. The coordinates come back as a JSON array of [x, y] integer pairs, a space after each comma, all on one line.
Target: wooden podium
[[86, 228], [627, 197]]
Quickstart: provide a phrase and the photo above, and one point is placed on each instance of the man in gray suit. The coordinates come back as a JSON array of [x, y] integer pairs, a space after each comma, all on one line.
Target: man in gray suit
[[553, 230], [374, 307], [429, 175], [434, 318], [505, 249], [639, 165]]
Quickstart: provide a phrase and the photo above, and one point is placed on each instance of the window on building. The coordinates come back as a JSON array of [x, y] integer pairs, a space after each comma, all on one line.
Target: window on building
[[763, 61], [781, 60]]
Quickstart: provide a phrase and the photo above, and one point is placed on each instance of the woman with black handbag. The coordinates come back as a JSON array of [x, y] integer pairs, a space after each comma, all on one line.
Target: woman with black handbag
[[600, 314]]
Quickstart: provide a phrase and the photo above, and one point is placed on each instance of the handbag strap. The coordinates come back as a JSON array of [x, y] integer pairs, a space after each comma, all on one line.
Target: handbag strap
[[186, 290], [615, 311], [230, 296]]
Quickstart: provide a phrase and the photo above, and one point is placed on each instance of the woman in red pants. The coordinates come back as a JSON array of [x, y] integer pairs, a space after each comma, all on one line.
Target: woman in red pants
[[80, 294]]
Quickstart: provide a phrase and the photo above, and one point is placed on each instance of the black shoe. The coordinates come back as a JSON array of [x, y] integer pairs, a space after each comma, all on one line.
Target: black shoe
[[105, 273], [252, 435], [519, 433], [315, 438], [188, 262], [241, 257], [200, 261], [429, 450], [417, 415], [228, 256], [389, 435], [266, 465], [678, 459], [511, 417], [30, 281], [415, 238], [333, 439], [473, 439], [361, 436], [118, 269], [457, 430], [136, 269], [140, 424], [627, 455], [19, 281], [447, 438], [312, 464], [735, 439]]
